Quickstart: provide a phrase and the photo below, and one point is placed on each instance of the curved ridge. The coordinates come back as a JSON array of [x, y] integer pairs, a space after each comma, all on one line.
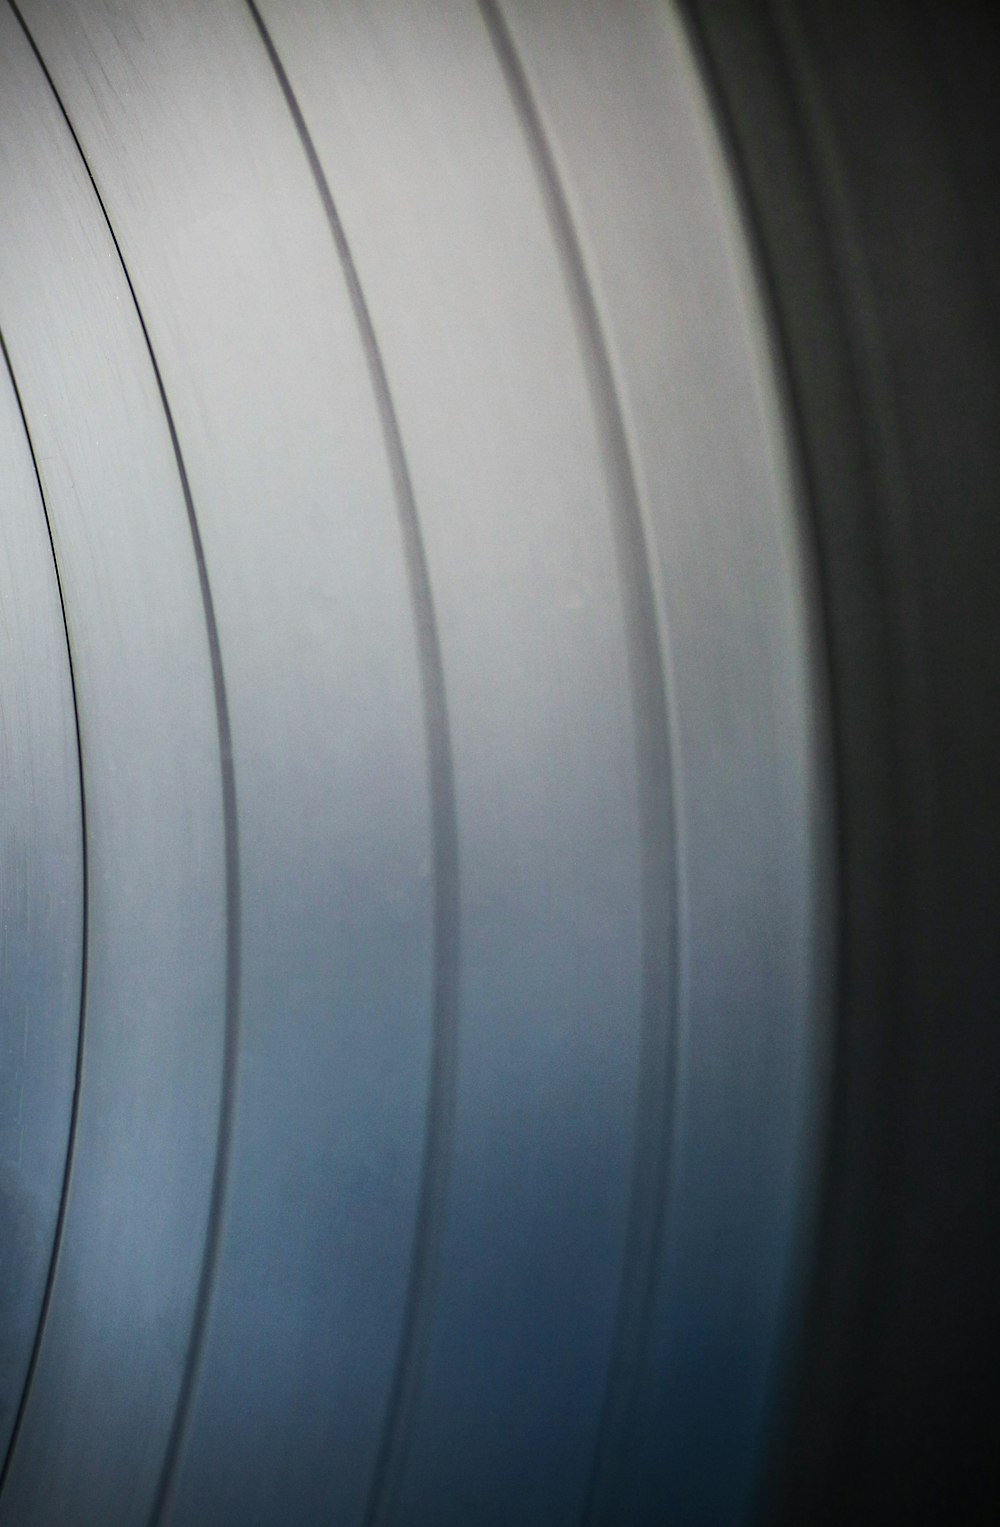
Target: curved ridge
[[228, 786], [75, 1105], [657, 807], [435, 1173]]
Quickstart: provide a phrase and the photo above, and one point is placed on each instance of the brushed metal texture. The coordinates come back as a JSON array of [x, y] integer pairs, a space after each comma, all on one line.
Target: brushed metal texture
[[457, 971]]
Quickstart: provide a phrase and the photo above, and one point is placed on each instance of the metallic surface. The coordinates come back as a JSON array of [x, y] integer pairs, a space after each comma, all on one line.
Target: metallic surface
[[452, 747], [42, 891], [130, 1249]]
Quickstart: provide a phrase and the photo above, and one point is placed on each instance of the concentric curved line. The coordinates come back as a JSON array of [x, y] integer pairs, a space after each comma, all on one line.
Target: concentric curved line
[[657, 805], [231, 850], [75, 1106], [436, 1168]]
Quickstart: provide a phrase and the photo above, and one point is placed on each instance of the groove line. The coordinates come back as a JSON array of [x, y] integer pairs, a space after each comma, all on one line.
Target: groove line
[[436, 1168], [657, 804], [78, 1070], [231, 849]]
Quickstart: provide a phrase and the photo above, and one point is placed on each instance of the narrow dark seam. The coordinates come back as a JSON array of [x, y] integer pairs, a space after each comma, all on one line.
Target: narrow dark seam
[[438, 1142], [228, 785], [75, 1106], [657, 810]]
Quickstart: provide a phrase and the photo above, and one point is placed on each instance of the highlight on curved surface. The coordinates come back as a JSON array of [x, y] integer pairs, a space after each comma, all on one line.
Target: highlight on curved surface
[[452, 736]]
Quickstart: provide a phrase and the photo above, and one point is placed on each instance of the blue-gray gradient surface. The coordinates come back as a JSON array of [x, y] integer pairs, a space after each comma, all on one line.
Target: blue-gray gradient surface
[[416, 859]]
